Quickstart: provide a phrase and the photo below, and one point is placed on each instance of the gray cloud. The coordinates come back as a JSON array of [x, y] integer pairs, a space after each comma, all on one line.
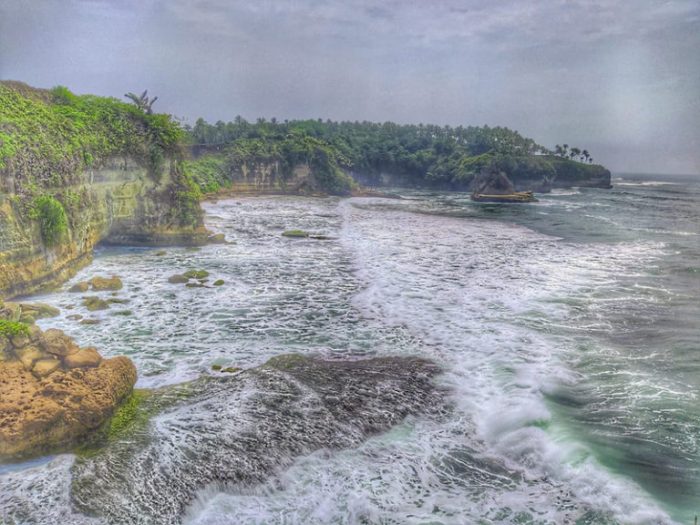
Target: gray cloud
[[621, 78]]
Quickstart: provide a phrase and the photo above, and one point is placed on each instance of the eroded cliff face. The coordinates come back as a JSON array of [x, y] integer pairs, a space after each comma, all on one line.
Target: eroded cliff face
[[539, 177], [267, 178], [78, 170], [117, 203]]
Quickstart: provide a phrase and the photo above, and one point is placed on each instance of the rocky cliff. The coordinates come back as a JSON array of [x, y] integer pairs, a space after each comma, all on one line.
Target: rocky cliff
[[538, 173], [75, 171]]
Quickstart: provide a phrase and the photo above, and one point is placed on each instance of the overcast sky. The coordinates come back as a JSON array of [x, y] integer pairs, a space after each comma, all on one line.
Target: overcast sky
[[620, 78]]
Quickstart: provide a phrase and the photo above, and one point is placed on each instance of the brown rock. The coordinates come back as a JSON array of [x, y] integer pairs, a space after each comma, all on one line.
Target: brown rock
[[80, 287], [217, 238], [39, 310], [19, 341], [95, 303], [84, 358], [104, 283], [90, 321], [35, 333], [40, 415], [28, 355], [45, 366], [57, 343]]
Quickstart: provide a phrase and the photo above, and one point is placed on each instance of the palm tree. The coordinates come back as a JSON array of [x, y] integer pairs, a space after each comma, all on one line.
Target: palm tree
[[143, 102], [575, 152], [585, 155]]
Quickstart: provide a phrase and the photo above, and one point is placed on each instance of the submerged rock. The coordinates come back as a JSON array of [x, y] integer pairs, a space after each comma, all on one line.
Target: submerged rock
[[100, 284], [81, 287], [196, 274], [295, 233], [177, 279], [239, 429], [95, 303], [217, 238]]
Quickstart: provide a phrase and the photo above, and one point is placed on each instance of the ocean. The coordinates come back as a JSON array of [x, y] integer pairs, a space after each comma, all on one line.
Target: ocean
[[567, 330]]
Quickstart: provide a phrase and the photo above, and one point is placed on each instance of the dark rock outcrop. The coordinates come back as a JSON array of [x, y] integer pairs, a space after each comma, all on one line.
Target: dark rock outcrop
[[241, 428]]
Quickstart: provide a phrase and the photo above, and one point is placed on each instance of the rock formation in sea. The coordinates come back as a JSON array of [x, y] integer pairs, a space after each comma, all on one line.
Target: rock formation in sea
[[241, 428], [52, 392]]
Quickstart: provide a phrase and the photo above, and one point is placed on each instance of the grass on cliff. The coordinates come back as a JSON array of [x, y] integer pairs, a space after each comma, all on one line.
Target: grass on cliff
[[46, 136], [13, 328], [49, 137], [53, 222]]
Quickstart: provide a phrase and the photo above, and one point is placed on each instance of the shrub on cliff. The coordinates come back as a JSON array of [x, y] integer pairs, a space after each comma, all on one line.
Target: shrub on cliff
[[53, 222], [13, 328], [47, 137]]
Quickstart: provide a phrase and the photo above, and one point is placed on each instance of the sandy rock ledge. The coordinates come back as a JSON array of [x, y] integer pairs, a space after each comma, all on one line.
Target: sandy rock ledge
[[52, 392]]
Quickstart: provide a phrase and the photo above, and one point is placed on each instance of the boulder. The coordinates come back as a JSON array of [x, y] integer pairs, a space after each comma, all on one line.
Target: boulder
[[45, 366], [38, 310], [81, 287], [29, 355], [83, 358], [57, 343], [103, 283], [177, 279], [196, 274], [217, 238], [38, 415], [95, 303], [20, 340]]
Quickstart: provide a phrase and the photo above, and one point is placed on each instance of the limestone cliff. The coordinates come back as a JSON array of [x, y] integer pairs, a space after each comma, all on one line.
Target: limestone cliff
[[75, 171]]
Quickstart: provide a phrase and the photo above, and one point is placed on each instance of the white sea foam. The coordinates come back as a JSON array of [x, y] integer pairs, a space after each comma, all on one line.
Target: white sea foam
[[469, 291], [491, 302]]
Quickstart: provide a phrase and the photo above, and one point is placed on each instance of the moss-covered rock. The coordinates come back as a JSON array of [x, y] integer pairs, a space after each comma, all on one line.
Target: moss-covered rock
[[178, 278], [80, 287], [295, 233], [94, 303], [196, 274], [100, 284]]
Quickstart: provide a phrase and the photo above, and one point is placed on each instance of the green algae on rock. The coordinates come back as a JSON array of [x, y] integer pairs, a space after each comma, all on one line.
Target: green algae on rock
[[295, 233], [94, 303]]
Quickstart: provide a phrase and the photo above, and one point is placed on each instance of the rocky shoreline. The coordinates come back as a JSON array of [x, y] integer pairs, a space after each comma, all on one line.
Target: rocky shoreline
[[53, 393]]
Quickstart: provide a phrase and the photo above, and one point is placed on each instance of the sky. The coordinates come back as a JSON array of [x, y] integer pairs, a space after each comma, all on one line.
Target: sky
[[620, 78]]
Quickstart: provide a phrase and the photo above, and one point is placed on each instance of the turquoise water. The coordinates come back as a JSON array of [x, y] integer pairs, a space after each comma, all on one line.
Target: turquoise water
[[567, 330]]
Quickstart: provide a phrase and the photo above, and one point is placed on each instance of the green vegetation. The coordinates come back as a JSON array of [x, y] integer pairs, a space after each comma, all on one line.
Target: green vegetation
[[13, 328], [48, 137], [209, 173], [127, 414], [420, 155], [53, 222]]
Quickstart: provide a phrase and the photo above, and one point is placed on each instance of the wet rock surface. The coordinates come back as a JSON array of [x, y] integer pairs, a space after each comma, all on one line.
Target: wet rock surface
[[240, 429], [52, 392]]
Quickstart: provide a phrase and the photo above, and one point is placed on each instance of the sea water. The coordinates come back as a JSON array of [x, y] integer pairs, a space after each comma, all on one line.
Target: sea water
[[567, 330]]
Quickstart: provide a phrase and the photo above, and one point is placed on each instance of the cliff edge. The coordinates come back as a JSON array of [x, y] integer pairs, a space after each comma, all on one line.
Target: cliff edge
[[78, 170]]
